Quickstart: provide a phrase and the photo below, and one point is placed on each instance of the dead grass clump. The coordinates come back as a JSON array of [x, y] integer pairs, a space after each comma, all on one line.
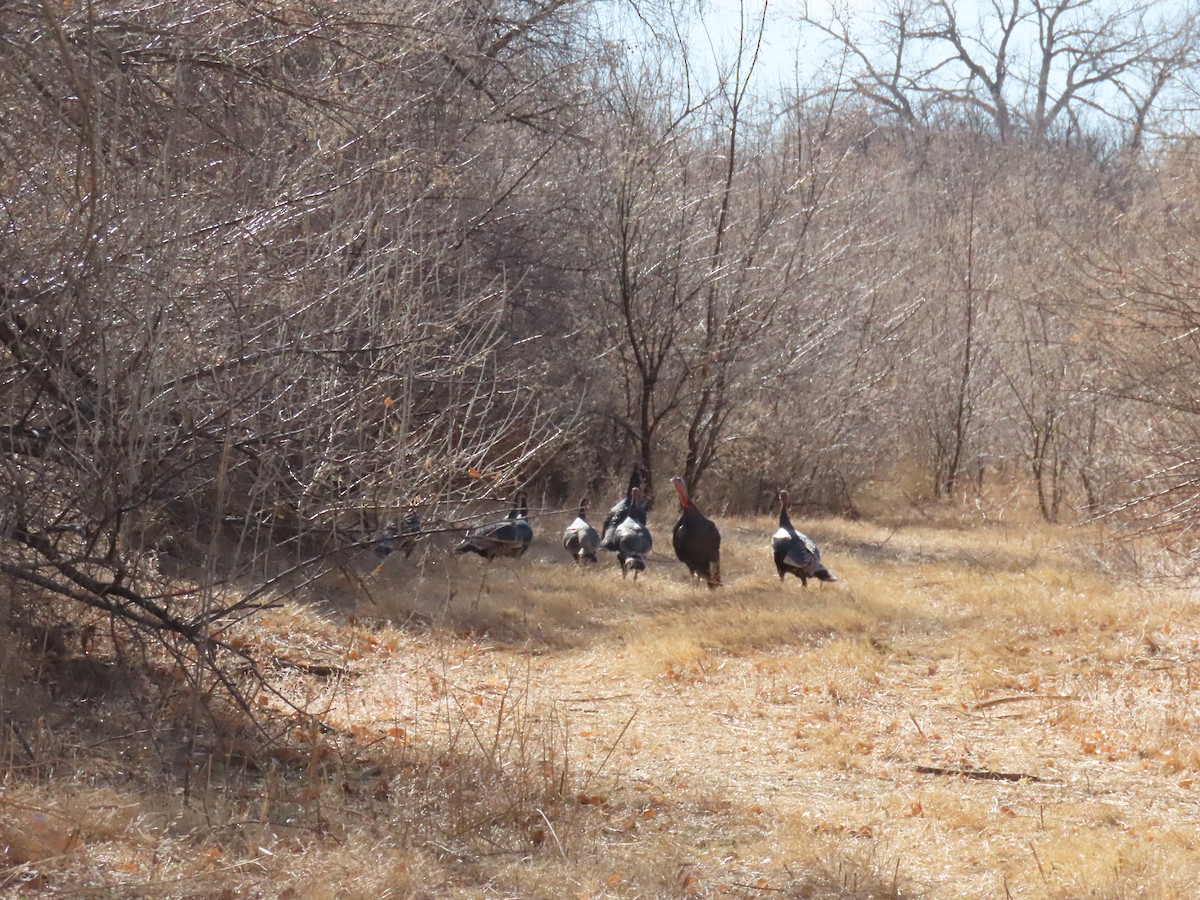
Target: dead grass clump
[[1112, 866], [30, 833], [845, 669], [70, 835], [367, 867], [495, 786], [828, 742], [471, 767], [320, 770], [518, 602], [743, 620], [860, 868], [651, 863]]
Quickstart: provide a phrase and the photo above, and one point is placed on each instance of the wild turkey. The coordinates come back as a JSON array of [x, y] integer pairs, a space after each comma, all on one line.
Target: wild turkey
[[697, 540], [580, 538], [794, 552], [400, 536], [510, 537], [617, 514], [632, 538]]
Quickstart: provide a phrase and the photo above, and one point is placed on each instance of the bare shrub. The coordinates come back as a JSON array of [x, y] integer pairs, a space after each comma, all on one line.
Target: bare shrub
[[244, 309]]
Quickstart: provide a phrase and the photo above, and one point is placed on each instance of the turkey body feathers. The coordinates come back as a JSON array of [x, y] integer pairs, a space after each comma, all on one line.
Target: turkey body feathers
[[794, 552], [509, 538], [696, 539], [622, 508], [580, 539], [633, 542]]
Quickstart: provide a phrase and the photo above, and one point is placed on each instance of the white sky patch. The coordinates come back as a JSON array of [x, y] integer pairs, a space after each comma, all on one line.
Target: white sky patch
[[794, 56], [789, 54]]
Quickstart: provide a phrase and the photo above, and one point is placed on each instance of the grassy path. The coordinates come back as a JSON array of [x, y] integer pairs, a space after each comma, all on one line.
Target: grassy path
[[968, 712]]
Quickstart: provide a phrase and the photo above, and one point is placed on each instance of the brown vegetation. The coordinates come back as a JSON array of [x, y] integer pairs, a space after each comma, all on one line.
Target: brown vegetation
[[977, 707], [274, 275]]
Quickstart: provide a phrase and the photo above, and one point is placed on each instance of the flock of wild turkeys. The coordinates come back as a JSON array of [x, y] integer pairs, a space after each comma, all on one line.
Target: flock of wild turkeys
[[694, 537]]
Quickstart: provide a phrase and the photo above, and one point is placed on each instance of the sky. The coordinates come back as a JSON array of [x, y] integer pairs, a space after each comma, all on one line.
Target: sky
[[714, 33], [792, 57], [782, 56]]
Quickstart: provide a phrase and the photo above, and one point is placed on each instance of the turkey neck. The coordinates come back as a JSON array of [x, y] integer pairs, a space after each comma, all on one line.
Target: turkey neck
[[784, 521], [681, 490]]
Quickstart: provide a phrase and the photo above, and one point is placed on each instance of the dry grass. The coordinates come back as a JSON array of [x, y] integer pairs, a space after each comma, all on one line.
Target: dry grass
[[529, 729]]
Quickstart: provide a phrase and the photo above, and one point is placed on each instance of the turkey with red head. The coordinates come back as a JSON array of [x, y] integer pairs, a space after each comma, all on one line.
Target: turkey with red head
[[794, 552], [697, 540]]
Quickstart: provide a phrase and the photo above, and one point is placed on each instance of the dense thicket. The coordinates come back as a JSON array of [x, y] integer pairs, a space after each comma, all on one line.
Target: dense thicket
[[270, 272], [261, 279]]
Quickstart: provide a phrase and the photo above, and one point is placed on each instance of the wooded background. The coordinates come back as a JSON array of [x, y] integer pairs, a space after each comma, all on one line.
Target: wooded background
[[272, 268]]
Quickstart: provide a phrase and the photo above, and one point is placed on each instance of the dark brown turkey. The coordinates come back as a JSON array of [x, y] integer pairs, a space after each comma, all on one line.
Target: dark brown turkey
[[697, 540], [795, 552]]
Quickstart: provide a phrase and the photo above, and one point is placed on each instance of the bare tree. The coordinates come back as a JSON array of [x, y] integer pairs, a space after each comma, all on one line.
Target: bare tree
[[249, 303], [704, 244], [1147, 320], [876, 56], [1027, 67], [950, 442]]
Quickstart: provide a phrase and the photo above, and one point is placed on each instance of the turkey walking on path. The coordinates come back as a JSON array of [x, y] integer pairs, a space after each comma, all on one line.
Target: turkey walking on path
[[620, 510], [632, 538], [697, 540], [795, 552], [510, 537], [580, 538]]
